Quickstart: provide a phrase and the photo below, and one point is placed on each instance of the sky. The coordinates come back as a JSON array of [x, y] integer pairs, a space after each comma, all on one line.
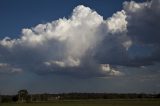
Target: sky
[[64, 46]]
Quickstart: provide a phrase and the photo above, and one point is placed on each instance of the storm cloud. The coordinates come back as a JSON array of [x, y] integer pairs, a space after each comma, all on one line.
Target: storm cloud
[[87, 45]]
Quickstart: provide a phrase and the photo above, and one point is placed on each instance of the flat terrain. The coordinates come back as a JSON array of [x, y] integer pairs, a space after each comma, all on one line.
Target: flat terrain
[[129, 102]]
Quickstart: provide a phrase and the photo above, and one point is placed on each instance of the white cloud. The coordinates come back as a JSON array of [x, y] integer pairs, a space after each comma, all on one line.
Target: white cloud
[[110, 71], [69, 62], [64, 43], [7, 42], [133, 6], [127, 44], [82, 43], [7, 68], [117, 23]]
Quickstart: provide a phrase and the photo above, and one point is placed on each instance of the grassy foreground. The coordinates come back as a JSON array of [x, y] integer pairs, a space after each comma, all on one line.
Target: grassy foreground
[[136, 102]]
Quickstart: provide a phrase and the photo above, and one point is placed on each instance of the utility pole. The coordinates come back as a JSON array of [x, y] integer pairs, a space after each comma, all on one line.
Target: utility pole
[[31, 98]]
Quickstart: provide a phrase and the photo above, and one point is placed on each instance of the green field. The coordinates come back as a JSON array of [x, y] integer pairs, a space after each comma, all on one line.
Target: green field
[[137, 102]]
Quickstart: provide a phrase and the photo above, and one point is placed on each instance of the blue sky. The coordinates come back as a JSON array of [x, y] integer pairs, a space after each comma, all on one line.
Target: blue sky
[[57, 46], [19, 14]]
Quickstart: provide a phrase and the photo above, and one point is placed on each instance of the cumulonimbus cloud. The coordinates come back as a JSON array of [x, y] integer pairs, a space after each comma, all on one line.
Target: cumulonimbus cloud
[[84, 44]]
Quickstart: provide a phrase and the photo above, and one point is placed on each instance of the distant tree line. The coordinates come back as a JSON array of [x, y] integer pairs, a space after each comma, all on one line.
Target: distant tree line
[[106, 96], [24, 96]]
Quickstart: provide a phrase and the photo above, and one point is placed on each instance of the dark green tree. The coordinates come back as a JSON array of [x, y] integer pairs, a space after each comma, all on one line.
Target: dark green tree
[[22, 95], [15, 98]]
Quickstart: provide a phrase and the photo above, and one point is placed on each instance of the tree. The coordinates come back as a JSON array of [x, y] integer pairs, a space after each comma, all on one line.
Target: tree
[[15, 98], [22, 95]]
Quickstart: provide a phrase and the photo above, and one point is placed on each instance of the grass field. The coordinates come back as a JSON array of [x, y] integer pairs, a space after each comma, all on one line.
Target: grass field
[[138, 102]]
